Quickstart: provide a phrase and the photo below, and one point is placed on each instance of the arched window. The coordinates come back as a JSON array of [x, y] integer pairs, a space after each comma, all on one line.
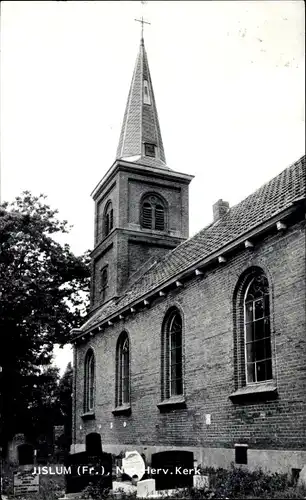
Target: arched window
[[258, 353], [108, 219], [104, 282], [172, 355], [153, 213], [123, 370], [89, 381]]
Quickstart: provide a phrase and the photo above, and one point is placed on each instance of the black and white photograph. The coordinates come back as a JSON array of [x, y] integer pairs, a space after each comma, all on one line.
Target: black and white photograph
[[152, 250]]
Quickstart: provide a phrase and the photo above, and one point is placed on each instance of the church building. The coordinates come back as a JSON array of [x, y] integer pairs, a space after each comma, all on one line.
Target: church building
[[193, 344]]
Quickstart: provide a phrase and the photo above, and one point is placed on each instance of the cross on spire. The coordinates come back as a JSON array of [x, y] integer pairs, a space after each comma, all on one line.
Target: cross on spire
[[142, 23]]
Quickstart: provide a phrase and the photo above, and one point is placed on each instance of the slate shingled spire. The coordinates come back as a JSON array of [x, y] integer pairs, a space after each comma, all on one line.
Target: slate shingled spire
[[140, 139]]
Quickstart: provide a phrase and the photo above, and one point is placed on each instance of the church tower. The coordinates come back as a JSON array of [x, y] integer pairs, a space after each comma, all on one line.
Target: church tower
[[141, 205]]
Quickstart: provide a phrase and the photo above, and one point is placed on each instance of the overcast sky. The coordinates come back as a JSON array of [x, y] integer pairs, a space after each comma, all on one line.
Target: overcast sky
[[229, 83]]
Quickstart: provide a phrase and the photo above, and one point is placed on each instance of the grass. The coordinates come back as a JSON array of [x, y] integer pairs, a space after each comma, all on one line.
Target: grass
[[236, 483]]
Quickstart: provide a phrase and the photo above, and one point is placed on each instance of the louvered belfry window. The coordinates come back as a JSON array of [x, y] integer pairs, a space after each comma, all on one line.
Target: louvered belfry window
[[153, 214], [159, 217], [147, 215]]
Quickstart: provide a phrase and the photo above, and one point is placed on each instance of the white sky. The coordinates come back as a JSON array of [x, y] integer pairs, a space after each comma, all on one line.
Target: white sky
[[229, 83]]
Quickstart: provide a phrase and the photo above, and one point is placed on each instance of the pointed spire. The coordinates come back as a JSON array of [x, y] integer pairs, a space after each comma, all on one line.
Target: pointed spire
[[140, 138]]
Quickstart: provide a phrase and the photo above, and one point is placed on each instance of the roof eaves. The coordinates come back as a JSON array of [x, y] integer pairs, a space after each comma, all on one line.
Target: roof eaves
[[256, 230]]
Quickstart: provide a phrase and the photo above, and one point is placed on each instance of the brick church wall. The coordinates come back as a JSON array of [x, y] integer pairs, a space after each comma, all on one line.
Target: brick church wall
[[207, 308]]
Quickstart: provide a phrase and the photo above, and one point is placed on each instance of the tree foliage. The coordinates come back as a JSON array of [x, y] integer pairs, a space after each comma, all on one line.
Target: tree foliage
[[65, 399], [43, 295], [51, 404]]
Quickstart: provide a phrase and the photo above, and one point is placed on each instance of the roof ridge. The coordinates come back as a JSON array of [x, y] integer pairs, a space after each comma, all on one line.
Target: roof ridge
[[215, 223], [270, 198]]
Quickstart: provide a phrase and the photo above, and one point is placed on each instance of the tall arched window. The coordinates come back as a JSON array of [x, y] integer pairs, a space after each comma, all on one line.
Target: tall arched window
[[103, 281], [108, 218], [172, 355], [152, 213], [258, 353], [123, 370], [89, 381]]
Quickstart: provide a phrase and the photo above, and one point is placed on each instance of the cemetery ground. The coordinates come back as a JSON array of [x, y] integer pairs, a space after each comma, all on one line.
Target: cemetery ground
[[51, 487], [236, 483]]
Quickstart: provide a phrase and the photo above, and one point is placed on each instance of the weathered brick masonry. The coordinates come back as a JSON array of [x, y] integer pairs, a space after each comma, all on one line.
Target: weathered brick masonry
[[152, 267], [207, 306]]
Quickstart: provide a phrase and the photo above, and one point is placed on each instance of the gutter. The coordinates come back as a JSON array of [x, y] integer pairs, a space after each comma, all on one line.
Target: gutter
[[197, 265]]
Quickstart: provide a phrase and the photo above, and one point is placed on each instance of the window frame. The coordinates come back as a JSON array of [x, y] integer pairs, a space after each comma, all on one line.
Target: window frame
[[104, 286], [253, 322], [108, 218], [89, 381], [156, 203], [178, 345], [123, 372], [243, 391], [147, 147], [167, 393]]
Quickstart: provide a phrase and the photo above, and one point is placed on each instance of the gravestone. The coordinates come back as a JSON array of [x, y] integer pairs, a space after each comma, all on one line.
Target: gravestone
[[61, 448], [79, 478], [302, 477], [200, 482], [25, 454], [146, 488], [173, 464], [25, 483], [58, 431], [42, 452], [93, 444], [133, 465]]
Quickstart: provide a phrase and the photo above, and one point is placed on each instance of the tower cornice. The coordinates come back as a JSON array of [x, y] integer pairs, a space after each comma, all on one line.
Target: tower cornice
[[122, 165]]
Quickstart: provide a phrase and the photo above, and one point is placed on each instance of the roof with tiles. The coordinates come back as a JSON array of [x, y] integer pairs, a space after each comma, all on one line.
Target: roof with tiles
[[140, 123], [269, 200]]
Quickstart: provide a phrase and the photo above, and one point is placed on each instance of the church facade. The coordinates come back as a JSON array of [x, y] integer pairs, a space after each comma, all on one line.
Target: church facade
[[195, 343]]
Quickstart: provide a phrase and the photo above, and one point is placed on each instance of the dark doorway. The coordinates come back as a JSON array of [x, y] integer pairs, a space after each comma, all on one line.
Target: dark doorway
[[93, 444], [25, 454]]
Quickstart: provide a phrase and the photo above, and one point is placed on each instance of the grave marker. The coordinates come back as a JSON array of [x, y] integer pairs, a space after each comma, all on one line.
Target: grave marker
[[25, 454], [102, 473], [133, 464], [58, 430], [146, 488], [26, 483], [173, 463], [200, 482], [93, 444]]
